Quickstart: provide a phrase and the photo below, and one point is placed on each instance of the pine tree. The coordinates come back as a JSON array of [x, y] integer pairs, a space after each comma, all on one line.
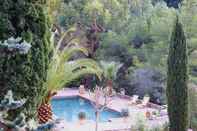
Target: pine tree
[[177, 91], [25, 74]]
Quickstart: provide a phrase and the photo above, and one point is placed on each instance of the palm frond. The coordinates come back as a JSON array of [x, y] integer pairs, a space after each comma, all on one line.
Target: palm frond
[[110, 69], [66, 37], [62, 71], [69, 71], [68, 52]]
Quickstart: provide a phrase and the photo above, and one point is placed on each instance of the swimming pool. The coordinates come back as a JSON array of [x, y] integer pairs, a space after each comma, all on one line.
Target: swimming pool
[[69, 108]]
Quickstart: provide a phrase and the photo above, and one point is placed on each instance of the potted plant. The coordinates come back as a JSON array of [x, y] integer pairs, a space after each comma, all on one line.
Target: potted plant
[[148, 114]]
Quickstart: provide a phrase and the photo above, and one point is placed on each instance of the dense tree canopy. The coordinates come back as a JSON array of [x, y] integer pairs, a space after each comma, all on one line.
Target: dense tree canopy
[[137, 32]]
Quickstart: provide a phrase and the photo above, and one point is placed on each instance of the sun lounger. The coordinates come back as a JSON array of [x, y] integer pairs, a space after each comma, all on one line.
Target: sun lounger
[[145, 101], [163, 112], [113, 93], [165, 106], [81, 89], [134, 100], [122, 91]]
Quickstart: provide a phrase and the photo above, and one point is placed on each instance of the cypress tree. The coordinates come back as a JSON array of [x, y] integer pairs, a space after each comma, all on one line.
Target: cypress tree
[[25, 74], [177, 91]]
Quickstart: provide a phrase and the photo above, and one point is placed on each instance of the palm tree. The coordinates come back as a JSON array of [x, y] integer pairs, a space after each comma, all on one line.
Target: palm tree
[[62, 70], [110, 70]]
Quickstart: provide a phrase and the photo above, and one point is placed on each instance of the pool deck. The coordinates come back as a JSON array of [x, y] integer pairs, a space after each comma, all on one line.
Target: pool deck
[[117, 103]]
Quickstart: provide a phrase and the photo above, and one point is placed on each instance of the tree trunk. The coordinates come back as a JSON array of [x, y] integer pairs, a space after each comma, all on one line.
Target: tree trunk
[[97, 120]]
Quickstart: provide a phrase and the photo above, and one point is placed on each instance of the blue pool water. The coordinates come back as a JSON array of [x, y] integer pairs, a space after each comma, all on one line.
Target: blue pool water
[[69, 108]]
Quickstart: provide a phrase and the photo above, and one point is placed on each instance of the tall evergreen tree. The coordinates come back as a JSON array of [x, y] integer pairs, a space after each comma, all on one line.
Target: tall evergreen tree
[[177, 91], [25, 74]]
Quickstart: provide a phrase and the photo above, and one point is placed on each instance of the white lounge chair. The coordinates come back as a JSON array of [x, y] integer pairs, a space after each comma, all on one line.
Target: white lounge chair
[[81, 89], [145, 101], [122, 91], [134, 100]]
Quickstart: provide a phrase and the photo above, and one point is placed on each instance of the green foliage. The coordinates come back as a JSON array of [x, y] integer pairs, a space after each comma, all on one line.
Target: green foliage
[[62, 70], [138, 33], [134, 24], [189, 22], [143, 125], [110, 69], [53, 7], [177, 91], [71, 12], [25, 74], [193, 106]]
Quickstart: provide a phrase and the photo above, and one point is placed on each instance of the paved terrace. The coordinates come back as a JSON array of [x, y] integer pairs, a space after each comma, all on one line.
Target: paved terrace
[[117, 103]]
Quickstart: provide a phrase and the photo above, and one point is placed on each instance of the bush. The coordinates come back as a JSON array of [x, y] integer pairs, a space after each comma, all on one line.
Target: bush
[[147, 81]]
